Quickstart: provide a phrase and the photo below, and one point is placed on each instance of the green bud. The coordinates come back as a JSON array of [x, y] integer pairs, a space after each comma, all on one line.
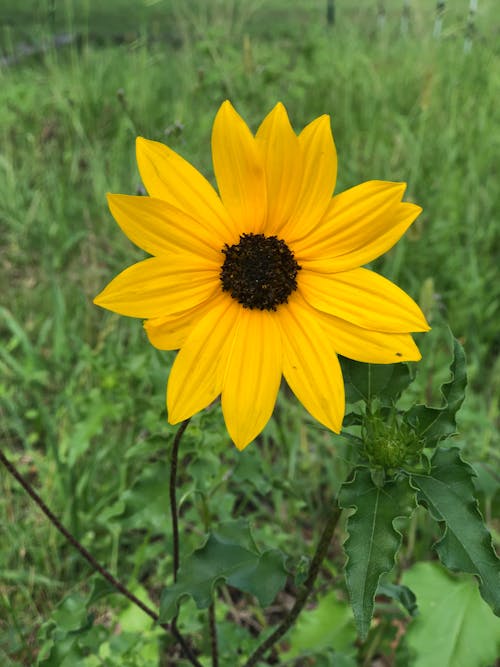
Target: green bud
[[390, 443]]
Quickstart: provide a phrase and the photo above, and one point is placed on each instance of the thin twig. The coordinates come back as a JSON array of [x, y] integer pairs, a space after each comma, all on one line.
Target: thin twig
[[291, 617], [88, 557], [173, 497], [213, 634], [93, 563], [175, 523]]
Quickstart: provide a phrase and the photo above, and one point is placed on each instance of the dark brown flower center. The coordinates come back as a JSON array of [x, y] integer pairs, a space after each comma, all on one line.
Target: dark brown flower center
[[259, 272]]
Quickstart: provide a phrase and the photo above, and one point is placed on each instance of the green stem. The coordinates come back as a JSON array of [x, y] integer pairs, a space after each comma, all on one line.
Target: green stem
[[172, 491], [174, 456], [213, 634], [291, 617]]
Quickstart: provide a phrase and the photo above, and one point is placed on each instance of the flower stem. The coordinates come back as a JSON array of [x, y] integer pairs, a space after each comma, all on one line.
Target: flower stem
[[92, 561], [174, 456], [172, 491], [305, 591], [213, 634]]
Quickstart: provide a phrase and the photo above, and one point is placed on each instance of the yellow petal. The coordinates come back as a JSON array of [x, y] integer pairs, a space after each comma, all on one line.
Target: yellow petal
[[253, 375], [159, 228], [167, 176], [282, 155], [170, 333], [239, 171], [160, 286], [196, 376], [360, 225], [318, 179], [310, 364], [401, 218], [373, 347], [364, 298]]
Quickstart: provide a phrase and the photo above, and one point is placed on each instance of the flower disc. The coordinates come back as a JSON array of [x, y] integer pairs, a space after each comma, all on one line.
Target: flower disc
[[259, 272]]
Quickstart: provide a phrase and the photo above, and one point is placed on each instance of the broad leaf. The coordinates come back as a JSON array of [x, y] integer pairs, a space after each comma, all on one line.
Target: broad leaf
[[373, 541], [235, 532], [448, 493], [369, 381], [455, 627], [229, 554], [329, 625], [433, 424]]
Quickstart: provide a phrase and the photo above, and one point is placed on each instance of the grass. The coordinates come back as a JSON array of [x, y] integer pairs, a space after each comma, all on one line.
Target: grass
[[82, 394]]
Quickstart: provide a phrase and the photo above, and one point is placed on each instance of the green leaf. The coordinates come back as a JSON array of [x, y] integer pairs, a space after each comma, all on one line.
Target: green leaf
[[401, 594], [71, 615], [487, 480], [236, 532], [373, 541], [132, 618], [455, 627], [329, 625], [433, 424], [60, 635], [100, 588], [223, 558], [448, 493], [369, 381], [352, 419]]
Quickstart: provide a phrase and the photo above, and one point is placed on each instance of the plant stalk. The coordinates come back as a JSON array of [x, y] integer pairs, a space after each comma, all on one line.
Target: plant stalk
[[213, 634], [305, 591], [173, 496]]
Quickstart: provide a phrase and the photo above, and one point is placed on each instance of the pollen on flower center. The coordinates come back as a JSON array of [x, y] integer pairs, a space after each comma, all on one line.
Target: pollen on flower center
[[259, 272]]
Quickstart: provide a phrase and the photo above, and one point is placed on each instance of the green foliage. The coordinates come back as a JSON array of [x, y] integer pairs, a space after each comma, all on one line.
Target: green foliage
[[369, 381], [327, 627], [448, 493], [455, 628], [392, 438], [401, 594], [81, 393], [229, 555], [444, 485], [373, 541], [433, 424], [75, 636]]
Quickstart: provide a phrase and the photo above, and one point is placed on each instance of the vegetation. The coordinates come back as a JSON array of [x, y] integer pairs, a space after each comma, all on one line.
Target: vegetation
[[82, 392]]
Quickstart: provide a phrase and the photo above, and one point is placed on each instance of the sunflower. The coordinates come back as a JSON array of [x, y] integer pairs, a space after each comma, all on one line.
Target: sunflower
[[262, 280]]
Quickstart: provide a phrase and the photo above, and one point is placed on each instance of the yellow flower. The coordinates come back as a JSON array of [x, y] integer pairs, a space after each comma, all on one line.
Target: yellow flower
[[264, 278]]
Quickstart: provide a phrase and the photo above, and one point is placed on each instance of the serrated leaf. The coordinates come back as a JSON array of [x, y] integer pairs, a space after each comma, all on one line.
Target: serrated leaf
[[432, 423], [222, 558], [373, 541], [448, 493], [329, 625], [455, 627], [369, 381]]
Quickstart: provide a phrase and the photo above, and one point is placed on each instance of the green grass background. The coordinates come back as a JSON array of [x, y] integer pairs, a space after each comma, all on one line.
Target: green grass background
[[81, 391]]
